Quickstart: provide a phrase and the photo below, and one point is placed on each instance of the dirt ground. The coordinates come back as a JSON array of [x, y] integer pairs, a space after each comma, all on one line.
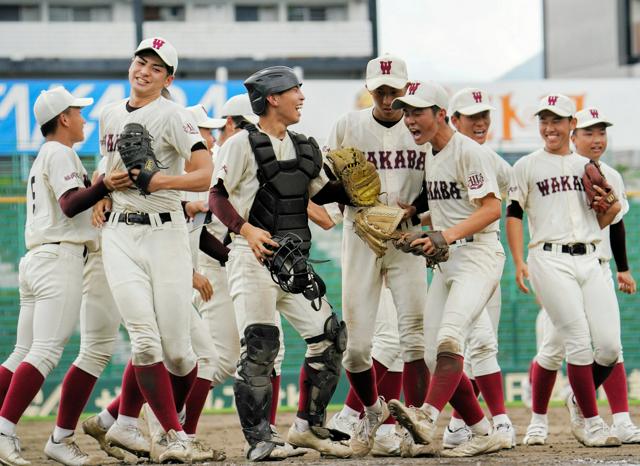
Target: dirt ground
[[223, 431]]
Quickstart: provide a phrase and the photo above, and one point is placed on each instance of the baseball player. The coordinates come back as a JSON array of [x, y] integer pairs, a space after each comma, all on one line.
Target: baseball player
[[261, 187], [564, 269], [385, 353], [145, 241], [464, 202], [471, 116], [400, 162], [58, 236], [590, 140]]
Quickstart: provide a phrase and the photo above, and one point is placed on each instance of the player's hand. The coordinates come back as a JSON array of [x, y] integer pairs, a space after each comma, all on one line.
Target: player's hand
[[203, 286], [626, 283], [258, 239], [117, 181], [156, 180], [409, 210], [427, 245], [522, 273], [194, 207], [97, 216]]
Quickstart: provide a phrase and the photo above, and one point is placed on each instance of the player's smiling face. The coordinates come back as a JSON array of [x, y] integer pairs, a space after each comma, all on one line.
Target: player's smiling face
[[555, 131], [590, 142], [422, 123], [383, 97], [288, 105], [474, 126], [75, 122], [148, 75]]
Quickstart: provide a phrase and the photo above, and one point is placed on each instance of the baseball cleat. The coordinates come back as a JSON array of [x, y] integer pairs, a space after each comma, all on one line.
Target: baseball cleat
[[129, 438], [479, 444], [507, 434], [410, 449], [345, 424], [627, 433], [365, 431], [415, 420], [158, 446], [387, 444], [93, 428], [326, 446], [10, 451], [577, 419], [69, 453], [537, 434], [284, 449], [598, 434], [201, 452], [452, 438], [178, 450]]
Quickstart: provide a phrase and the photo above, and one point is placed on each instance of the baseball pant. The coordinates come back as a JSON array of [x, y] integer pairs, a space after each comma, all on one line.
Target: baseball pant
[[149, 270], [580, 304], [386, 340], [459, 291], [481, 352], [362, 284], [50, 280]]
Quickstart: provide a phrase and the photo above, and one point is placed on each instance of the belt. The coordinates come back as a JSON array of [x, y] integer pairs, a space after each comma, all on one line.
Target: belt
[[139, 218], [575, 249], [477, 237]]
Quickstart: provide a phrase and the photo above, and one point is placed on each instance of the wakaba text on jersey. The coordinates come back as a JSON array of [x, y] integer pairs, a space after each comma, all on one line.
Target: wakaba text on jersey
[[443, 190], [559, 184], [397, 159]]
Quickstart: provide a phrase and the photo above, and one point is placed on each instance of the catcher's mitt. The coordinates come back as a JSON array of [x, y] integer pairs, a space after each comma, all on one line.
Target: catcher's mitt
[[378, 224], [593, 176], [291, 269], [134, 145], [358, 176], [441, 248]]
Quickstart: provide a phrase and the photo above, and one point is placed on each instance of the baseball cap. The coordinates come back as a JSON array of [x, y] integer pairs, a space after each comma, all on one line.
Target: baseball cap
[[53, 102], [162, 48], [590, 117], [469, 101], [423, 94], [239, 105], [559, 104], [203, 120], [386, 70]]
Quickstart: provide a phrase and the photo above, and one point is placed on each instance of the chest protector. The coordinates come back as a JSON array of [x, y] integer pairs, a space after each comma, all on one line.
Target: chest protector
[[280, 205]]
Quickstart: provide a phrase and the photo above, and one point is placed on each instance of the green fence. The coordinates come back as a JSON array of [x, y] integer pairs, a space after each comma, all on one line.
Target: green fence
[[516, 335]]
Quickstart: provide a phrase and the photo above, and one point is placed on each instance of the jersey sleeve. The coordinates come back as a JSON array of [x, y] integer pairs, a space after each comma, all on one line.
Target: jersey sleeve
[[479, 174], [183, 133], [318, 183], [519, 189], [336, 215], [231, 162], [64, 171], [336, 135]]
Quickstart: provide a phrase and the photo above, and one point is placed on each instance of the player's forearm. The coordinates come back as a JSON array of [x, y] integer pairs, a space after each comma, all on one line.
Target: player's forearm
[[515, 238], [318, 215], [195, 181], [78, 200], [617, 238], [333, 191], [606, 218], [488, 213], [223, 209], [213, 247]]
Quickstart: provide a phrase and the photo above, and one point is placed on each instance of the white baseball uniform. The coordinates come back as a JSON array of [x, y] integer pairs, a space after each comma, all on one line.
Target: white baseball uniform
[[457, 178], [551, 351], [401, 166], [572, 288], [149, 267], [50, 274]]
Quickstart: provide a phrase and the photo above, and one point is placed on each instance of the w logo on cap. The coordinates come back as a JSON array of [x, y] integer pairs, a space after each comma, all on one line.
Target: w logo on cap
[[157, 43], [552, 99], [412, 88], [477, 96], [385, 66], [594, 113]]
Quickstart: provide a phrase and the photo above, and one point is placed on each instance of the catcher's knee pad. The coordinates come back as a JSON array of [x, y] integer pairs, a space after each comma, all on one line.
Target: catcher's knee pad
[[323, 371], [252, 389]]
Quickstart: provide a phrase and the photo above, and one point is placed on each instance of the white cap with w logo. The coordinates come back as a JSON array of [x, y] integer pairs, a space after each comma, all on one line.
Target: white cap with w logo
[[469, 101], [162, 48], [387, 70], [590, 117], [559, 104], [423, 94]]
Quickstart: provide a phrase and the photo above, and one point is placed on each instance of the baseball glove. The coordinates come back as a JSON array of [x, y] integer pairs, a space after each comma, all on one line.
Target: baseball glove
[[135, 150], [593, 176], [441, 248], [378, 224], [358, 176]]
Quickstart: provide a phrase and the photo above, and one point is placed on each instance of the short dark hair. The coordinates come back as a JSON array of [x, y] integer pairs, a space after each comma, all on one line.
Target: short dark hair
[[147, 53], [435, 109], [240, 122], [51, 126]]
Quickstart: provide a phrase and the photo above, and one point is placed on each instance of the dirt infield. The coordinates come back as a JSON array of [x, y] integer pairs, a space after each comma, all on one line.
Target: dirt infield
[[223, 431]]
